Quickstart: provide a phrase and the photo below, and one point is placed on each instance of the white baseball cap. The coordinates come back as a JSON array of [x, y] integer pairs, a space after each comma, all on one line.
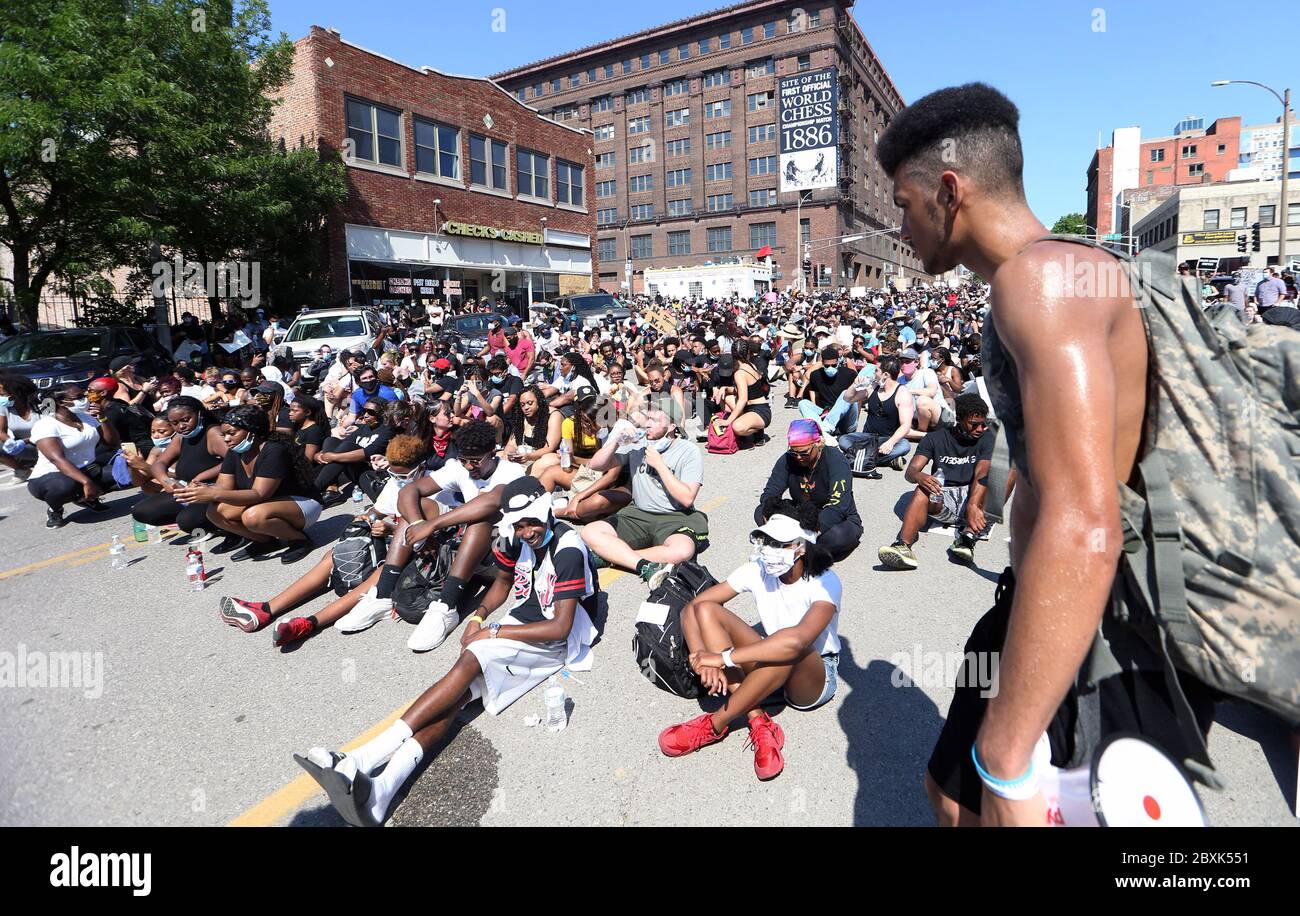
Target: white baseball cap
[[783, 529]]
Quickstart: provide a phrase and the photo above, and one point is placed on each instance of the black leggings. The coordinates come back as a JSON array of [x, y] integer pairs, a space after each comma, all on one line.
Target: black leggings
[[840, 540], [57, 490], [163, 509], [329, 475]]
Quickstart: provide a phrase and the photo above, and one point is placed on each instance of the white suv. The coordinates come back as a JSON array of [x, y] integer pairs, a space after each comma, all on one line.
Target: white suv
[[340, 329]]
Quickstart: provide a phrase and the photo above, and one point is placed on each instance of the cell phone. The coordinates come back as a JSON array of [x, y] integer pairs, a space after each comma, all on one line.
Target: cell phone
[[129, 449]]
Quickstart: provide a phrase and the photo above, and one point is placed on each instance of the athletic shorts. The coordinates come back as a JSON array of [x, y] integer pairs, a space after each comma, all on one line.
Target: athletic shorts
[[511, 667], [640, 529], [763, 410], [310, 509], [1129, 702]]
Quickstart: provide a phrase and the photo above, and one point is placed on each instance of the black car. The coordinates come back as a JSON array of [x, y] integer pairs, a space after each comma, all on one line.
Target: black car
[[52, 358], [471, 331], [590, 309]]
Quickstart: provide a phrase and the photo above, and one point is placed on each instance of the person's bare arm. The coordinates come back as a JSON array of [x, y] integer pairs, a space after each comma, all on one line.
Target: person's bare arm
[[1069, 549]]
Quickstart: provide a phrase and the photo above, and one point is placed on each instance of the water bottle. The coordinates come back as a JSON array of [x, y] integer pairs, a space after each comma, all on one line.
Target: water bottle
[[141, 531], [155, 534], [117, 550], [553, 697], [358, 497], [194, 569], [566, 454], [937, 499]]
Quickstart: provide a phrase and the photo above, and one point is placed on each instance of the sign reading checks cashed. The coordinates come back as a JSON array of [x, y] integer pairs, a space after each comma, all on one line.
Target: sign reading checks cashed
[[492, 232]]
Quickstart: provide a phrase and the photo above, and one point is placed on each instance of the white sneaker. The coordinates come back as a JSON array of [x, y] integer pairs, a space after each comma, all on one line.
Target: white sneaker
[[438, 621], [367, 612]]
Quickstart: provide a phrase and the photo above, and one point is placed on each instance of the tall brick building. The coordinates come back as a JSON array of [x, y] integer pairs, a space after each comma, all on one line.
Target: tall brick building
[[684, 118], [1192, 155], [455, 188]]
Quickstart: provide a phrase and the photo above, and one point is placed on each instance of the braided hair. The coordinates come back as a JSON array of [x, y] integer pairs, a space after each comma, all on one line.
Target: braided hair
[[254, 419]]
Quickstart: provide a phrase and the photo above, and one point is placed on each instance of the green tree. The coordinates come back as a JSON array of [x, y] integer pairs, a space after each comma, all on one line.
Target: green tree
[[1070, 224]]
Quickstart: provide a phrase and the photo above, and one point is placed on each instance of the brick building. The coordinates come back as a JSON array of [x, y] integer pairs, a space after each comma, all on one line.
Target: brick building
[[684, 118], [456, 189], [1192, 155]]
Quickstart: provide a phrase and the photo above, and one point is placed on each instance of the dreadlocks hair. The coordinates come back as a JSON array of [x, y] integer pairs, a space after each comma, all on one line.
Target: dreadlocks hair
[[475, 438], [411, 418], [816, 560], [971, 405], [581, 366], [971, 129], [540, 422]]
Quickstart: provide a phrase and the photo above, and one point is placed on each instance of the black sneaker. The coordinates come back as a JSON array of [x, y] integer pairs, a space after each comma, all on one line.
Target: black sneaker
[[94, 505], [231, 542], [297, 550], [54, 518], [332, 499], [254, 549]]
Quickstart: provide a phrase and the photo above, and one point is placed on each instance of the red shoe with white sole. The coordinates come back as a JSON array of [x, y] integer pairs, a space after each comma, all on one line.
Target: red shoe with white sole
[[678, 740]]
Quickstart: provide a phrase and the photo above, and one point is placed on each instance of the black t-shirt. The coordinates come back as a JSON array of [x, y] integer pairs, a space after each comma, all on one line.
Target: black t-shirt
[[371, 441], [829, 485], [560, 571], [826, 389], [957, 457], [274, 461], [311, 435], [132, 423], [509, 386]]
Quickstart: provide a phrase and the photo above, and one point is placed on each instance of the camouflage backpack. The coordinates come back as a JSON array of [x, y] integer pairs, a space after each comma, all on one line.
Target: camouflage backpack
[[1210, 572]]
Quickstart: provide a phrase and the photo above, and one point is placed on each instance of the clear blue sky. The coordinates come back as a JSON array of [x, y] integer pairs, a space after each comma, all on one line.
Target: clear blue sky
[[1151, 65]]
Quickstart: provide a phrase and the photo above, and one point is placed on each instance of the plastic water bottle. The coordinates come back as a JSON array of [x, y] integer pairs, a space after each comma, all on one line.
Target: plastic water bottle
[[117, 550], [937, 499], [155, 534], [553, 697], [141, 531], [194, 569], [566, 454], [358, 497]]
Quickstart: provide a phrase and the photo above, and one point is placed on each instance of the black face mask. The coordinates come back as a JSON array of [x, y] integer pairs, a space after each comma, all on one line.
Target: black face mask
[[370, 385]]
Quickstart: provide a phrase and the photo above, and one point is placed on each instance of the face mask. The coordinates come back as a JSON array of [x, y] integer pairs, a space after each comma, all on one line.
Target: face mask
[[163, 443], [546, 539], [662, 444], [370, 386], [498, 379], [80, 404], [6, 403], [775, 561], [831, 370], [243, 446], [194, 433]]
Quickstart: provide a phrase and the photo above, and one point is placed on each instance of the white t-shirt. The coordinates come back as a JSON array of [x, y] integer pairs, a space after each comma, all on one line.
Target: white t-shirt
[[78, 444], [781, 606], [202, 392], [455, 481], [921, 378]]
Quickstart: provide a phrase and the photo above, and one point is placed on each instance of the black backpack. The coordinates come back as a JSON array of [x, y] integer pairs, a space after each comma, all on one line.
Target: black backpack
[[660, 651], [863, 458], [420, 583], [355, 557]]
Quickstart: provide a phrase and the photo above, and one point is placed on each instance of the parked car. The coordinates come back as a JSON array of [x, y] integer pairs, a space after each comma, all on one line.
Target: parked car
[[470, 331], [341, 329], [591, 308], [52, 358]]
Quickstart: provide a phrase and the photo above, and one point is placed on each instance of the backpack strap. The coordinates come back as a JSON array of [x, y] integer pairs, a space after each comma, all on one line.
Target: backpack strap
[[995, 496]]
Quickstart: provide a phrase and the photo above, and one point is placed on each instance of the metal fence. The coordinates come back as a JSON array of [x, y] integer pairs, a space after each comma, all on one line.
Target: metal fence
[[57, 311]]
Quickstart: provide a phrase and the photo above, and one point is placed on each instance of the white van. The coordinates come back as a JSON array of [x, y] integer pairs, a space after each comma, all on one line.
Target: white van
[[340, 329]]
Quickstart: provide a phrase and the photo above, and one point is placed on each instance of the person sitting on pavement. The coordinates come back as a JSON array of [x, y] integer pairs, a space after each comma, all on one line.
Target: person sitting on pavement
[[464, 491], [825, 386], [923, 384], [162, 432], [963, 454], [18, 413], [535, 430], [130, 421], [796, 651], [662, 527], [405, 455], [368, 388], [264, 497], [342, 462], [889, 416], [193, 455], [66, 470], [544, 580], [310, 424], [592, 494], [745, 402], [811, 472]]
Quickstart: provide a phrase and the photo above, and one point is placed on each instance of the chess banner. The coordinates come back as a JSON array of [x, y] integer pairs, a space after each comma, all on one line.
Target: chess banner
[[809, 124]]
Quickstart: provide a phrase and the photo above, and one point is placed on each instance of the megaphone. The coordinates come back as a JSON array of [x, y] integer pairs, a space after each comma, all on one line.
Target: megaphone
[[1128, 783]]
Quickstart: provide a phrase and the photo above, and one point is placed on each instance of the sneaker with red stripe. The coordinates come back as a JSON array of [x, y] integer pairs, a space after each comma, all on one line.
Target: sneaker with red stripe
[[292, 630], [249, 616], [767, 738], [677, 740]]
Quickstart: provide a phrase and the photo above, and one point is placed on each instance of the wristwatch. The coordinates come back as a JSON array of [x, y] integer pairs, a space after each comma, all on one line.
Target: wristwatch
[[493, 629]]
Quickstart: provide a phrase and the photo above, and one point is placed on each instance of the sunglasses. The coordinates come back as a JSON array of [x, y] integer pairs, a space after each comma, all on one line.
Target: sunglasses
[[475, 460]]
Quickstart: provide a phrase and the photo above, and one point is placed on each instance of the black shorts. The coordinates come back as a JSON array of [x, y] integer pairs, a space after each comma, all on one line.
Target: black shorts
[[1129, 702], [763, 410]]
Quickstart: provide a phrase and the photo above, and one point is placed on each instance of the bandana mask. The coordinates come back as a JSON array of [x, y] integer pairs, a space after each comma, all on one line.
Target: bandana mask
[[774, 561]]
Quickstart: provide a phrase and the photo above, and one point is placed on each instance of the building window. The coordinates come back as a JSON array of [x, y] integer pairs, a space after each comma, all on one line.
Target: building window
[[683, 52], [1238, 216], [769, 30], [375, 132], [555, 85], [719, 140], [1151, 177], [606, 188], [606, 217], [1293, 214], [1268, 215], [663, 58], [641, 247], [717, 203], [591, 75], [1223, 148], [1196, 168], [602, 103], [719, 171], [575, 81], [1211, 220], [814, 19], [1189, 150], [760, 101], [681, 207], [805, 62], [643, 211], [724, 41], [805, 231], [705, 45], [747, 35], [637, 154], [607, 250], [487, 163], [678, 178], [637, 183], [717, 78], [761, 234], [637, 97], [645, 61], [639, 125], [760, 68], [609, 71], [763, 198], [568, 183], [760, 132], [718, 109], [627, 67], [695, 288], [437, 149], [679, 242], [605, 160], [604, 132], [532, 173], [676, 87], [679, 117], [678, 147], [762, 165], [537, 90], [519, 94], [1158, 155], [720, 238]]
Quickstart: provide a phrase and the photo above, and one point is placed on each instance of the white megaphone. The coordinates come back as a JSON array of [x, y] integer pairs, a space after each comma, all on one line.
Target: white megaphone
[[1128, 783]]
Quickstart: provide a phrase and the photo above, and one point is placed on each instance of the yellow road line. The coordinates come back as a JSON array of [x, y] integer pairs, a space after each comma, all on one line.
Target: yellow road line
[[277, 806], [75, 558]]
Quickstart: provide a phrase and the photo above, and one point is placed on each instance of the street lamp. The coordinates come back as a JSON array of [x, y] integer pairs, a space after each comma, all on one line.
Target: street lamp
[[802, 286], [1283, 218]]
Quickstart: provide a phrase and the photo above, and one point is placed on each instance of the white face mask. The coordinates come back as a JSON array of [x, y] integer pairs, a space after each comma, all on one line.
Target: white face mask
[[775, 561]]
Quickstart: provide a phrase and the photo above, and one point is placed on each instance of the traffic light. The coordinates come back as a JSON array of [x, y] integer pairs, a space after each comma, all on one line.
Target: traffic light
[[1254, 237], [1241, 243], [807, 266]]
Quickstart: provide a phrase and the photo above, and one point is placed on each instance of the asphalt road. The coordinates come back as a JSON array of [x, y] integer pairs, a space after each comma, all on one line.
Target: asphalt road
[[190, 722]]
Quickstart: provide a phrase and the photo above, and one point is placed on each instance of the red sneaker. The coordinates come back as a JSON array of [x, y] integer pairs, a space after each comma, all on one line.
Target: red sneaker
[[249, 616], [767, 738], [677, 740], [292, 630]]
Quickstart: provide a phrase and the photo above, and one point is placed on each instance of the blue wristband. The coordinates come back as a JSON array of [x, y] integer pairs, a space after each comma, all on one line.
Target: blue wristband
[[1022, 787]]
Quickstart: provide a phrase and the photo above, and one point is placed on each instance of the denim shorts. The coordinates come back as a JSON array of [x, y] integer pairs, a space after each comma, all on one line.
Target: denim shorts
[[832, 663]]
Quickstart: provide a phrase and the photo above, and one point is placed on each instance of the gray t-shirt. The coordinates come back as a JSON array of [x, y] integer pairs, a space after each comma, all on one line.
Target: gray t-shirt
[[683, 458], [1235, 293]]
